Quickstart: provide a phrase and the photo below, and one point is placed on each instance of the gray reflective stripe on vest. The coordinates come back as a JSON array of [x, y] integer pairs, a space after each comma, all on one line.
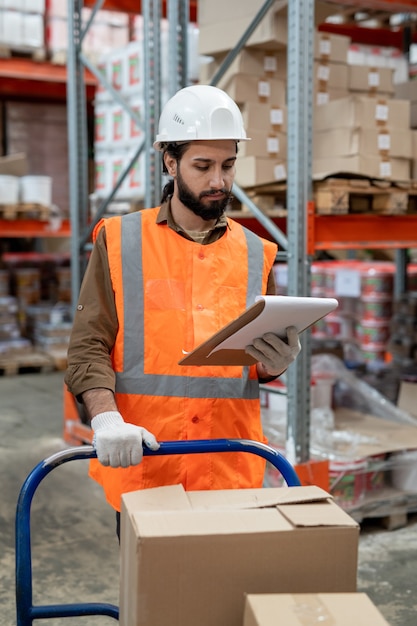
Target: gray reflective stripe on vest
[[133, 380]]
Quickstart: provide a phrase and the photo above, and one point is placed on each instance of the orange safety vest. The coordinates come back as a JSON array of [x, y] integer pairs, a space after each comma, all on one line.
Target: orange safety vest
[[171, 294]]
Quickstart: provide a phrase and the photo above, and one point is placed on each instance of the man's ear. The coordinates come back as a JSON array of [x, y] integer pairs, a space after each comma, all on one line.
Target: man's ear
[[170, 164]]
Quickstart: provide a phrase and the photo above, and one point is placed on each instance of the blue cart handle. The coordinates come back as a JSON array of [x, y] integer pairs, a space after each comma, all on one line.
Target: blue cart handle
[[25, 610]]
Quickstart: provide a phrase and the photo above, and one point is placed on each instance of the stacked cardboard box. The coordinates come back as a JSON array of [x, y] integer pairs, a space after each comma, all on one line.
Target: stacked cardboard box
[[189, 558], [363, 135], [256, 79]]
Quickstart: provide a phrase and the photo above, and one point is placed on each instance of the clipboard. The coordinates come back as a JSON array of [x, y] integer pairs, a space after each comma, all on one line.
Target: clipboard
[[267, 314]]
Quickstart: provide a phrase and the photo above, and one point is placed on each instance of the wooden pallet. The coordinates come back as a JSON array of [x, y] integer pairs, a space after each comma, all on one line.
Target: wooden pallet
[[23, 363], [28, 52], [336, 196], [58, 358], [25, 211], [390, 508]]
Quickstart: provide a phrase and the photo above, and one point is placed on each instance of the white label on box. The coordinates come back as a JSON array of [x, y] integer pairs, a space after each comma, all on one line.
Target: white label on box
[[325, 47], [373, 79], [280, 173], [323, 72], [384, 141], [272, 145], [270, 64], [381, 112], [322, 97], [347, 283], [385, 169], [264, 89], [276, 117]]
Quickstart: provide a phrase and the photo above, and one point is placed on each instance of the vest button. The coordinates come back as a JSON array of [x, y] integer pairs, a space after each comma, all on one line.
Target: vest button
[[201, 255], [200, 307], [195, 419]]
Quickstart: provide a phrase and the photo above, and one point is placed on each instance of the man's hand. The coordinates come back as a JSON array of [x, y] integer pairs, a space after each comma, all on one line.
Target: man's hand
[[118, 443], [274, 353]]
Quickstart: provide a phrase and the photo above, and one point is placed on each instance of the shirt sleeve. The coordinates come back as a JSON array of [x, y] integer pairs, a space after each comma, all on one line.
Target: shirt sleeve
[[94, 327]]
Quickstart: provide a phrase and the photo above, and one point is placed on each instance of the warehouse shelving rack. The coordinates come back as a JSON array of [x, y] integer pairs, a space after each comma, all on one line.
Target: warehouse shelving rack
[[303, 232]]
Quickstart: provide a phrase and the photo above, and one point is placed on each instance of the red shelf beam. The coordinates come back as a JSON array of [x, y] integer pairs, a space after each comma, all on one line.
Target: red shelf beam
[[38, 80], [135, 6], [343, 232]]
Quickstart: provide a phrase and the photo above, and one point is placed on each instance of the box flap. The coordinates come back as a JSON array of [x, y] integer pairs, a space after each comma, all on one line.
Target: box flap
[[316, 514], [255, 498], [168, 498]]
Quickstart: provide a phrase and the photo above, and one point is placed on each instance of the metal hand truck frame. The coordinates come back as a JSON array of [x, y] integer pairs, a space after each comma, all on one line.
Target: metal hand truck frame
[[26, 612]]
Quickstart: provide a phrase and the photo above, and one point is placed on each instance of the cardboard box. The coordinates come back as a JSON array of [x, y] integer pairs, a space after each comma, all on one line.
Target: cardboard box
[[328, 75], [374, 80], [329, 47], [188, 558], [264, 144], [363, 112], [252, 171], [374, 167], [249, 61], [266, 117], [408, 91], [362, 141], [322, 95], [248, 88], [222, 36], [14, 164], [337, 609]]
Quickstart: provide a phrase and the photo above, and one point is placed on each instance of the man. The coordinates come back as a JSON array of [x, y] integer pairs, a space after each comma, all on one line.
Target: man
[[159, 282]]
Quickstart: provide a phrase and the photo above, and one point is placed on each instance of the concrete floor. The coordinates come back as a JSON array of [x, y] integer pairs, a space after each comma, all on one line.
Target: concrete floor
[[74, 546]]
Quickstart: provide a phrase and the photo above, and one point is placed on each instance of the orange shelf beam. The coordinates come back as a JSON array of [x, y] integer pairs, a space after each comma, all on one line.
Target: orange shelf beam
[[33, 228], [39, 80], [342, 232]]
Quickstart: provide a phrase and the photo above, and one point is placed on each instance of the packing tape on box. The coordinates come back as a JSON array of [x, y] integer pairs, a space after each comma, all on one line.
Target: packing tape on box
[[311, 610]]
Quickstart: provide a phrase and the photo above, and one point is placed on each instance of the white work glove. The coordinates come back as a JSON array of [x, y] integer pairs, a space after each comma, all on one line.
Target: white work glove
[[274, 353], [118, 443]]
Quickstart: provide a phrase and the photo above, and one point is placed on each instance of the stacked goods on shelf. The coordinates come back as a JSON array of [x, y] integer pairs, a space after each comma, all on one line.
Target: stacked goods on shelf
[[117, 134], [403, 339], [256, 80], [363, 135], [366, 321], [35, 316], [109, 30], [37, 131], [253, 81], [364, 291], [22, 27], [12, 342]]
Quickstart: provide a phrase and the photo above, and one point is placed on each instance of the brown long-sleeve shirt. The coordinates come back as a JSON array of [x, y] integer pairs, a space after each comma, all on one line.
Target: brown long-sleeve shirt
[[95, 321]]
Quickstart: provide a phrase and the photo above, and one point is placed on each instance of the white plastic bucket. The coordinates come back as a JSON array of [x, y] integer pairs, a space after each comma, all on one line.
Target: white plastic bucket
[[36, 190], [9, 189]]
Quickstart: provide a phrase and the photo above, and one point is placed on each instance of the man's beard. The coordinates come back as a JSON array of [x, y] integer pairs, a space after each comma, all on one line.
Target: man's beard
[[207, 212]]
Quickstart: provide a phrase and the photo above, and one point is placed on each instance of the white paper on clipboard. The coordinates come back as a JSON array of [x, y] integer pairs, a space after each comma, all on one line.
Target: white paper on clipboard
[[268, 314], [279, 313]]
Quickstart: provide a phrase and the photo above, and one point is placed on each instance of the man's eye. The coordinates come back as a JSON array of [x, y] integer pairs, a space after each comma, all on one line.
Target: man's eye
[[202, 168], [228, 167]]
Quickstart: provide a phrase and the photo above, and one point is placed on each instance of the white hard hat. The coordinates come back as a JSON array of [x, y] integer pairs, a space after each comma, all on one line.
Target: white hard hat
[[199, 112]]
